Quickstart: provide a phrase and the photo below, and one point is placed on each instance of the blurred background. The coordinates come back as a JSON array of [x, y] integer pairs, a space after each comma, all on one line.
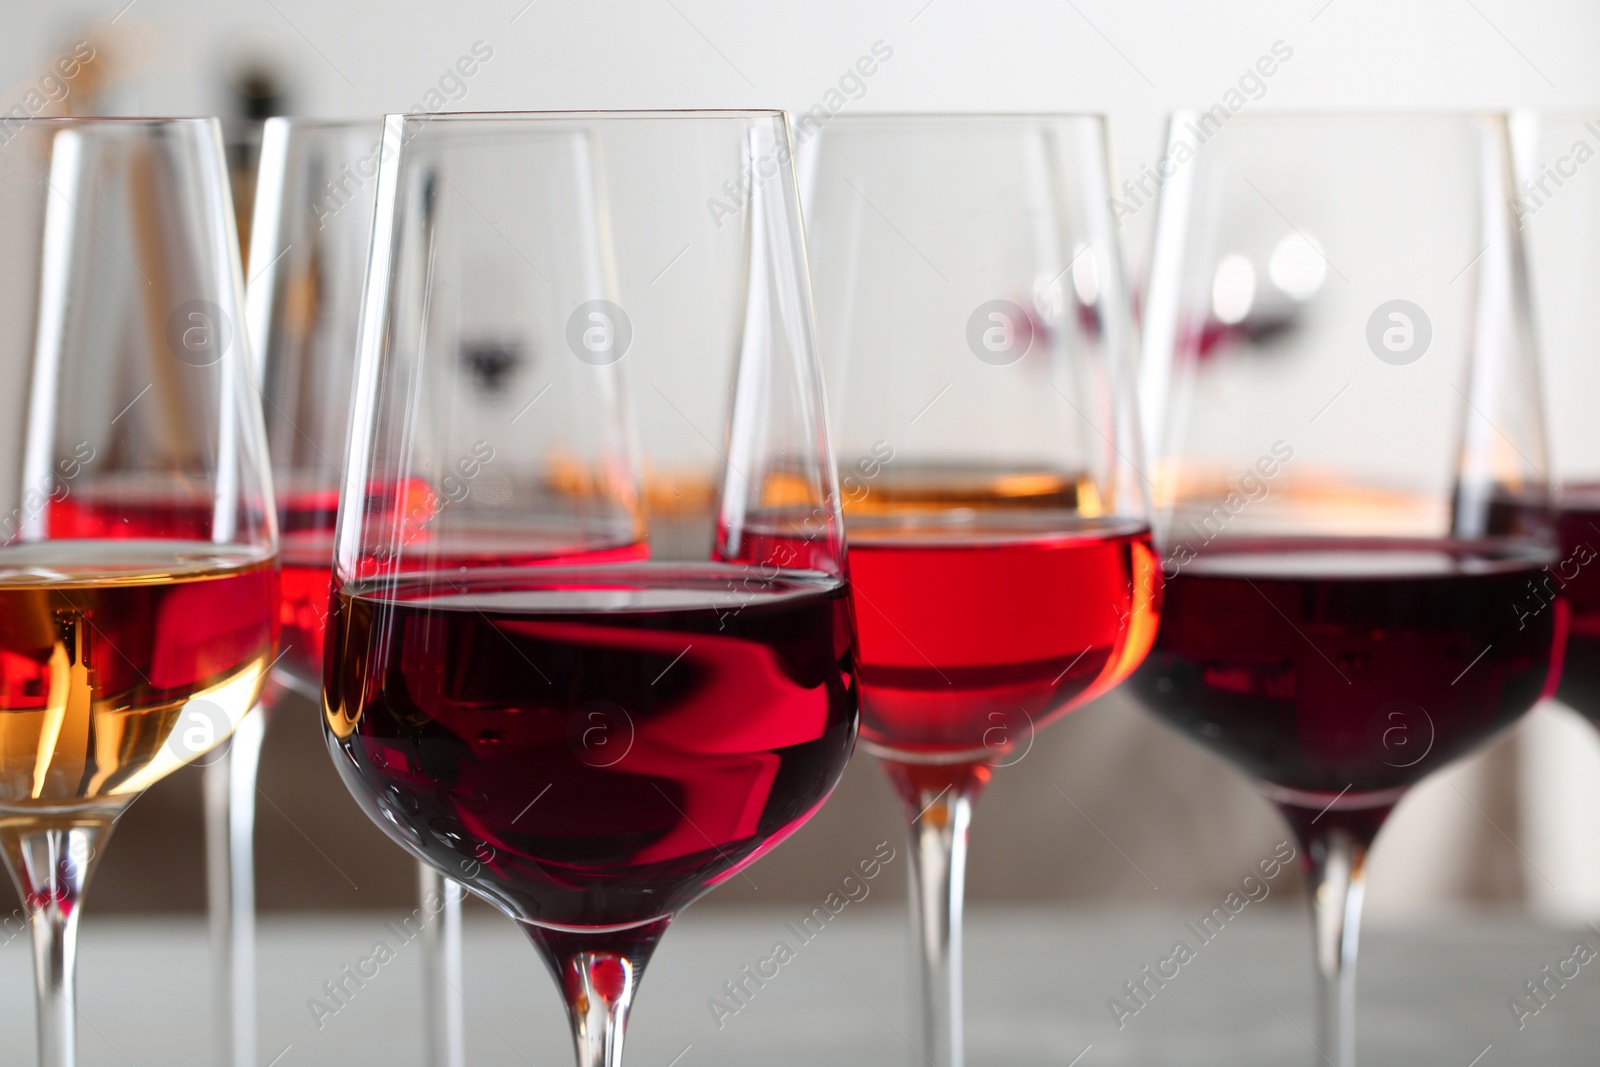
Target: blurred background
[[1106, 806]]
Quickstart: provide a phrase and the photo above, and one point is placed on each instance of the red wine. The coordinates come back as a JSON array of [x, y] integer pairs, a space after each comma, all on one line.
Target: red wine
[[305, 524], [135, 511], [591, 746], [305, 538], [975, 632], [1576, 577], [307, 561], [1348, 668]]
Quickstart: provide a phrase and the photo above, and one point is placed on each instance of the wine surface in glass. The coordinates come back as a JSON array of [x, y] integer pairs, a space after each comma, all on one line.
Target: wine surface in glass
[[591, 747], [1350, 667], [103, 643], [978, 626], [307, 521]]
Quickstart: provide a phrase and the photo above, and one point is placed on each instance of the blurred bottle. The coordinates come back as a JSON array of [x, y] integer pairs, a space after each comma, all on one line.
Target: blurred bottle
[[256, 92]]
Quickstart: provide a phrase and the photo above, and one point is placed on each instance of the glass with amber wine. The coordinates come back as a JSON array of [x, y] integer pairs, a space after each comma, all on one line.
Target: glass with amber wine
[[138, 570]]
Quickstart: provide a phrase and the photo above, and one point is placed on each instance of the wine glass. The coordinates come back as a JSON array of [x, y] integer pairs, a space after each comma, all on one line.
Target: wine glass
[[314, 196], [229, 778], [590, 649], [241, 145], [1557, 207], [976, 331], [138, 578], [1341, 386], [318, 190]]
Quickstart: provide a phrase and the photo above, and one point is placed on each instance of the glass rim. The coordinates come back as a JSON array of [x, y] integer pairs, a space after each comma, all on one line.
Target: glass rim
[[309, 122], [592, 115], [919, 117], [1374, 115], [1563, 111], [117, 120]]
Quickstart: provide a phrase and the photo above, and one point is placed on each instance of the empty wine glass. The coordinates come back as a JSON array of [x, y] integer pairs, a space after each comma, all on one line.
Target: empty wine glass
[[976, 331], [1340, 382], [590, 649], [138, 583]]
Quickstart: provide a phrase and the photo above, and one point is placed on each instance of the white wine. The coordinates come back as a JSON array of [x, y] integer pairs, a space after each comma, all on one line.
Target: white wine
[[120, 661]]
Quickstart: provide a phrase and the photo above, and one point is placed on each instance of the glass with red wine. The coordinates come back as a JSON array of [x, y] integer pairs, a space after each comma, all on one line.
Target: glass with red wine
[[314, 191], [976, 332], [315, 195], [590, 649], [138, 547], [1560, 218], [1342, 395]]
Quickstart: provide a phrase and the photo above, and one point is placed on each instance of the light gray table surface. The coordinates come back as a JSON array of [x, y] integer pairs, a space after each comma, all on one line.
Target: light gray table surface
[[1038, 985]]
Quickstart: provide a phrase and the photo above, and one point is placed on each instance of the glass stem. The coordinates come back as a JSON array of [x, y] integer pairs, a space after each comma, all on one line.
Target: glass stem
[[1337, 868], [598, 972], [443, 1022], [939, 798], [230, 811], [51, 866]]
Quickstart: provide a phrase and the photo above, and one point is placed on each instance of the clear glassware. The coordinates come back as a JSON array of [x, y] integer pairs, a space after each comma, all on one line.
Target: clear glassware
[[138, 571], [1342, 392], [1557, 207], [241, 145], [318, 189], [316, 194], [229, 778], [977, 336], [591, 650]]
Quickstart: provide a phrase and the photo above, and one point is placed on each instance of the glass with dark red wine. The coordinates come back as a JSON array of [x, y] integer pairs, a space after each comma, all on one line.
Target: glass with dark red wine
[[138, 569], [976, 331], [1559, 214], [590, 649], [1342, 395]]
